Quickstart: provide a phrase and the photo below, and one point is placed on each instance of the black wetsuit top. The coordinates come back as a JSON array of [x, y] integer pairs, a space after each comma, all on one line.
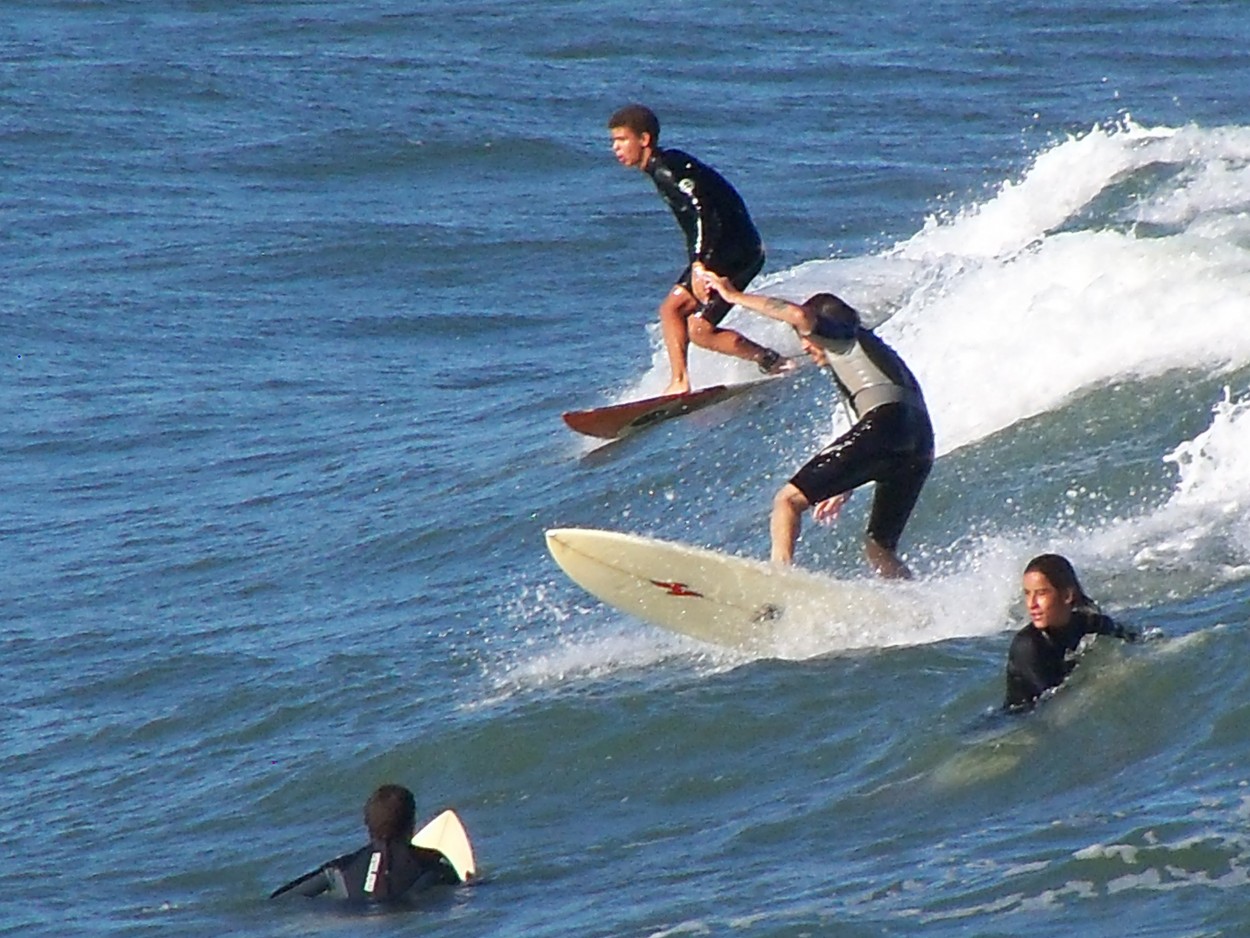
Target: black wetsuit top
[[719, 231], [371, 873], [1039, 658]]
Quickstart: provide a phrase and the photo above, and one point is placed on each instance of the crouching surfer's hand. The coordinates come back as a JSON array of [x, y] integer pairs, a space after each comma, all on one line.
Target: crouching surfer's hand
[[826, 512]]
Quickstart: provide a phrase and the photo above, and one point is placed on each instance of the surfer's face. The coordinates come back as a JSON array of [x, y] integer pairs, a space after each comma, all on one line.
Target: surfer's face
[[630, 149], [1047, 607]]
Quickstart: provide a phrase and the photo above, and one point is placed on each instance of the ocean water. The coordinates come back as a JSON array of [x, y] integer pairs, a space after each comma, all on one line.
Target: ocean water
[[294, 295]]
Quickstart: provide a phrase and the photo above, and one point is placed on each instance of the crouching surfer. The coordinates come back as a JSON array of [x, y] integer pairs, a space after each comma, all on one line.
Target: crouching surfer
[[389, 867], [890, 443], [1061, 614]]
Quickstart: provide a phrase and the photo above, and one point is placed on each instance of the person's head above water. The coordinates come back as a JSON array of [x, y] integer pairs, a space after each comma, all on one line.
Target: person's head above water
[[1052, 591], [391, 814]]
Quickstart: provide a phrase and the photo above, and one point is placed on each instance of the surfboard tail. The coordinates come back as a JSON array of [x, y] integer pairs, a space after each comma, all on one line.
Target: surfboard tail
[[446, 834]]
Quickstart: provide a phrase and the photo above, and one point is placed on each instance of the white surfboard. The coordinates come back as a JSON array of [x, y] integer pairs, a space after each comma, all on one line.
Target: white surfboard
[[447, 835], [748, 605]]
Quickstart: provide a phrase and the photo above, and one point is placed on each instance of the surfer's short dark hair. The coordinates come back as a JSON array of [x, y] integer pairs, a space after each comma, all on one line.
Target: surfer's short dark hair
[[391, 814], [833, 309], [1059, 571], [636, 117]]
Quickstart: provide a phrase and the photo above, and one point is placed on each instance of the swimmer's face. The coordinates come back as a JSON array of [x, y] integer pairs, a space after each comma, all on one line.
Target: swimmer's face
[[1047, 607], [630, 149]]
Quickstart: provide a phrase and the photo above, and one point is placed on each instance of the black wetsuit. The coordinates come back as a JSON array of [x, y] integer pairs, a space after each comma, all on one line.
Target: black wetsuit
[[891, 442], [371, 873], [1039, 658], [719, 231]]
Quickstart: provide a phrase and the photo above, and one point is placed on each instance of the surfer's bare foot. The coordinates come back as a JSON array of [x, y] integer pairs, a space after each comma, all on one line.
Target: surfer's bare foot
[[678, 387]]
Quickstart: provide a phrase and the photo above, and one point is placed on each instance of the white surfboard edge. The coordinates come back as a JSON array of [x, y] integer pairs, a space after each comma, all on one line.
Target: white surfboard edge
[[446, 834], [748, 605]]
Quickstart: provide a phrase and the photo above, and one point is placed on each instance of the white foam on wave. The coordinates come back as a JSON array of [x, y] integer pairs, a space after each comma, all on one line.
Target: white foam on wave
[[1083, 310], [1038, 296], [1178, 176], [579, 642], [1053, 286], [973, 600], [1204, 526]]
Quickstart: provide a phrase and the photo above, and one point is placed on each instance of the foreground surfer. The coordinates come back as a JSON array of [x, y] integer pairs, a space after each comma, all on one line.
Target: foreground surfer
[[1060, 614], [891, 441], [389, 866], [719, 235]]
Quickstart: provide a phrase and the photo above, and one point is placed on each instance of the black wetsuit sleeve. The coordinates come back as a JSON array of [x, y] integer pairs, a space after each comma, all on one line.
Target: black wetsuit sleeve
[[709, 227], [676, 176], [310, 884], [1105, 625], [319, 880]]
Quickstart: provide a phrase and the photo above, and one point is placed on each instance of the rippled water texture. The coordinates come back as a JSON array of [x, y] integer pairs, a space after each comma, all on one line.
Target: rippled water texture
[[294, 296]]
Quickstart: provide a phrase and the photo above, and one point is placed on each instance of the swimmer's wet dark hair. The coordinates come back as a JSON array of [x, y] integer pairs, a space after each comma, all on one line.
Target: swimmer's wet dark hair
[[390, 814], [636, 117], [1059, 572]]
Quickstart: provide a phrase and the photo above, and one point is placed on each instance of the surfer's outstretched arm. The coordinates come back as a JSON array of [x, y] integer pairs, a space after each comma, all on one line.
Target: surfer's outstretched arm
[[782, 310]]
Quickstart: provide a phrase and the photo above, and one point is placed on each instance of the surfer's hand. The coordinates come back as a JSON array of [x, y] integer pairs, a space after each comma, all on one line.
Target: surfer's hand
[[714, 282], [826, 512], [817, 355]]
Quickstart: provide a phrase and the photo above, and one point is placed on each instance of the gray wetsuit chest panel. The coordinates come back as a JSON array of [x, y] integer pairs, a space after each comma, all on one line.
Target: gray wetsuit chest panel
[[869, 372]]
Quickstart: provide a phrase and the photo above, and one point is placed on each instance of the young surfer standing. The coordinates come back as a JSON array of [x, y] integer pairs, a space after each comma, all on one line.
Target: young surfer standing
[[891, 442], [719, 235]]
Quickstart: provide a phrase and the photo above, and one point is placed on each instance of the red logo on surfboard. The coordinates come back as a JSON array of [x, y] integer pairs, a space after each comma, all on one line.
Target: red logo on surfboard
[[677, 589]]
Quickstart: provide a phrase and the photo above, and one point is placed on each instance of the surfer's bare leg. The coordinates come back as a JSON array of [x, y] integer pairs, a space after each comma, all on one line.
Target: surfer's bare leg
[[787, 519], [885, 561], [675, 314], [725, 341]]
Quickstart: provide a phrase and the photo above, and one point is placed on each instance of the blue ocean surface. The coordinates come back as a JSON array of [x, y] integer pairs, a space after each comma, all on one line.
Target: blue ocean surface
[[294, 296]]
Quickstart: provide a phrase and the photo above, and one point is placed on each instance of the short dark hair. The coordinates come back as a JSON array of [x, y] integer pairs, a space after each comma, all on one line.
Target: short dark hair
[[834, 309], [637, 117], [1059, 571], [391, 813]]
